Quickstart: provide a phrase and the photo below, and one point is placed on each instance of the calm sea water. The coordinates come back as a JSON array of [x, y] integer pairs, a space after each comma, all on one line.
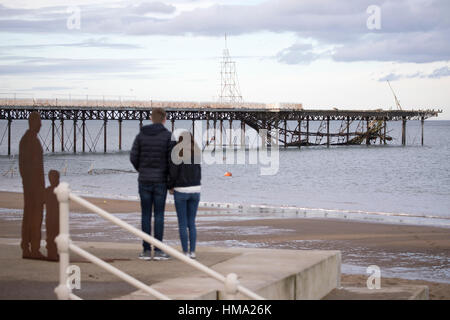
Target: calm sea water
[[413, 180]]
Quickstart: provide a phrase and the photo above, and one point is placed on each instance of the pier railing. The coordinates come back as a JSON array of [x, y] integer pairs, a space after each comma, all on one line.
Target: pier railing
[[65, 245], [12, 100]]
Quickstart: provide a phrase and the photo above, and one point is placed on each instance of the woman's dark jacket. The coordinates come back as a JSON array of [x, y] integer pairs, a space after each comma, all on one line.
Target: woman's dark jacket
[[184, 174]]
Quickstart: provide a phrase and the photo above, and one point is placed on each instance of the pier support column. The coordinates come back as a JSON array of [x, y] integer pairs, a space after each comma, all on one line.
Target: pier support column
[[380, 135], [207, 132], [173, 124], [404, 132], [264, 136], [367, 132], [307, 131], [384, 131], [328, 131], [215, 133], [231, 132], [120, 134], [243, 134], [269, 137], [348, 130], [193, 128], [422, 124], [53, 135], [104, 135], [74, 135], [299, 133], [62, 135], [9, 135], [285, 134], [83, 133], [221, 133]]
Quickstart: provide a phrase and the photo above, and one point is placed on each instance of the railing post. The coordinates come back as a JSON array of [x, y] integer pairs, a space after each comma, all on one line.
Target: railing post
[[231, 286], [62, 192]]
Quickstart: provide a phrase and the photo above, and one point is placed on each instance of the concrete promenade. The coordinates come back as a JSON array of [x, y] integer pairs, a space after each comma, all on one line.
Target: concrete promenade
[[272, 273]]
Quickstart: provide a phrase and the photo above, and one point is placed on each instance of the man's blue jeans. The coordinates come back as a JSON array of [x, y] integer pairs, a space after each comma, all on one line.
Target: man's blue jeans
[[153, 195], [186, 205]]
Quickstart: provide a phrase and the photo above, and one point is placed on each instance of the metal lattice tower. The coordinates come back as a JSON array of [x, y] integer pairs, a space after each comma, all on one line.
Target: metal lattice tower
[[229, 84]]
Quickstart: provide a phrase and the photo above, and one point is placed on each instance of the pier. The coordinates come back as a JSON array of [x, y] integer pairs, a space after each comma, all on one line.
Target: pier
[[286, 123]]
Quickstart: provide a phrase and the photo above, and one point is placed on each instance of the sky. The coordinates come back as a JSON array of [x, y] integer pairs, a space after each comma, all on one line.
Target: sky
[[321, 53]]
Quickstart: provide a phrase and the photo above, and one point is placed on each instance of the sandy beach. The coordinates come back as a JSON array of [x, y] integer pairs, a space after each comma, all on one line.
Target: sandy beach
[[361, 244]]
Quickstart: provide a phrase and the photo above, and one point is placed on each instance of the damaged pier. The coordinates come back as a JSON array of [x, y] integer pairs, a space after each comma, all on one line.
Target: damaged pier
[[287, 124]]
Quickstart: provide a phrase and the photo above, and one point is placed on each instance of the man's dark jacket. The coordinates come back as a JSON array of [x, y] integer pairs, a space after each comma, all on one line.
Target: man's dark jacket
[[150, 153]]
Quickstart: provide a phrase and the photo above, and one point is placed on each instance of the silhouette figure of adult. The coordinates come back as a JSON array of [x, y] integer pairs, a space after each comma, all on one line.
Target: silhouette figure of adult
[[52, 216], [31, 166]]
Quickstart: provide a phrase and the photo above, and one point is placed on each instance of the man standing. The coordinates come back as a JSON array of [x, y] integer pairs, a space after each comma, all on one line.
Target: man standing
[[150, 157], [31, 166]]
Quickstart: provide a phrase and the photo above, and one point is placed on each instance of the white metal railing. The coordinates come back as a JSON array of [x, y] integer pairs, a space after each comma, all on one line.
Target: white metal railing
[[63, 290]]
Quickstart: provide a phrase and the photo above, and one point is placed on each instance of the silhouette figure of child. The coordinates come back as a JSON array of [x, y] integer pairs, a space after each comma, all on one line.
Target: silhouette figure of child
[[52, 216]]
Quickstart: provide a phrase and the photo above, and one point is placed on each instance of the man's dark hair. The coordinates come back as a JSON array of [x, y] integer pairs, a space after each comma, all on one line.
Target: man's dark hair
[[158, 115]]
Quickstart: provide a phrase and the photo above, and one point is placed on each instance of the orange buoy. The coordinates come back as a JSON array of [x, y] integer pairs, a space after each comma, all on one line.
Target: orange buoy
[[227, 174]]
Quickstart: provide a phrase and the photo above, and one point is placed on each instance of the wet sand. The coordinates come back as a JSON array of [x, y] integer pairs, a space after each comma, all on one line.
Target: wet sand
[[437, 291], [361, 244]]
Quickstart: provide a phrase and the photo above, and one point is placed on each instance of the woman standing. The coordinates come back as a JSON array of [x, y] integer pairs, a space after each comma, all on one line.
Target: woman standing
[[184, 184]]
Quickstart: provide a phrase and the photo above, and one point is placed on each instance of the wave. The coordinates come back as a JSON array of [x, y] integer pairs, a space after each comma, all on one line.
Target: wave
[[108, 171], [267, 211]]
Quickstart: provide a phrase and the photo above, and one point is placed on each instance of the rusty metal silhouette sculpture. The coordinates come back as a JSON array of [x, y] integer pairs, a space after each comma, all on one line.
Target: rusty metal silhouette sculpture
[[31, 166], [52, 216]]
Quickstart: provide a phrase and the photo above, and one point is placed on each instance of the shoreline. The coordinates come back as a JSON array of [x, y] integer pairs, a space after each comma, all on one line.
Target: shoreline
[[131, 204]]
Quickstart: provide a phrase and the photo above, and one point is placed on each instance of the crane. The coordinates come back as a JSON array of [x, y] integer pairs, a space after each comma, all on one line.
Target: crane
[[397, 102]]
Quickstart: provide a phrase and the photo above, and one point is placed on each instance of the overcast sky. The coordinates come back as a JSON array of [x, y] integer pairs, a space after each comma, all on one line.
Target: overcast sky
[[317, 52]]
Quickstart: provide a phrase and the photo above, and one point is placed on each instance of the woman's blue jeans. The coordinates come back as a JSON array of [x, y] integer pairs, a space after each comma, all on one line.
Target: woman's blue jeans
[[186, 205]]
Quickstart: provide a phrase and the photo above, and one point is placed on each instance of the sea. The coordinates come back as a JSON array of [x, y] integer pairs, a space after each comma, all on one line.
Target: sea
[[379, 181]]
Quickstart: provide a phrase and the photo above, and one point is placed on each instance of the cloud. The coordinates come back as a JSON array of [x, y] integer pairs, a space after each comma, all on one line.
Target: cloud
[[88, 43], [153, 7], [411, 30], [55, 88], [418, 47], [39, 65], [390, 77], [299, 53], [440, 73], [436, 74]]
